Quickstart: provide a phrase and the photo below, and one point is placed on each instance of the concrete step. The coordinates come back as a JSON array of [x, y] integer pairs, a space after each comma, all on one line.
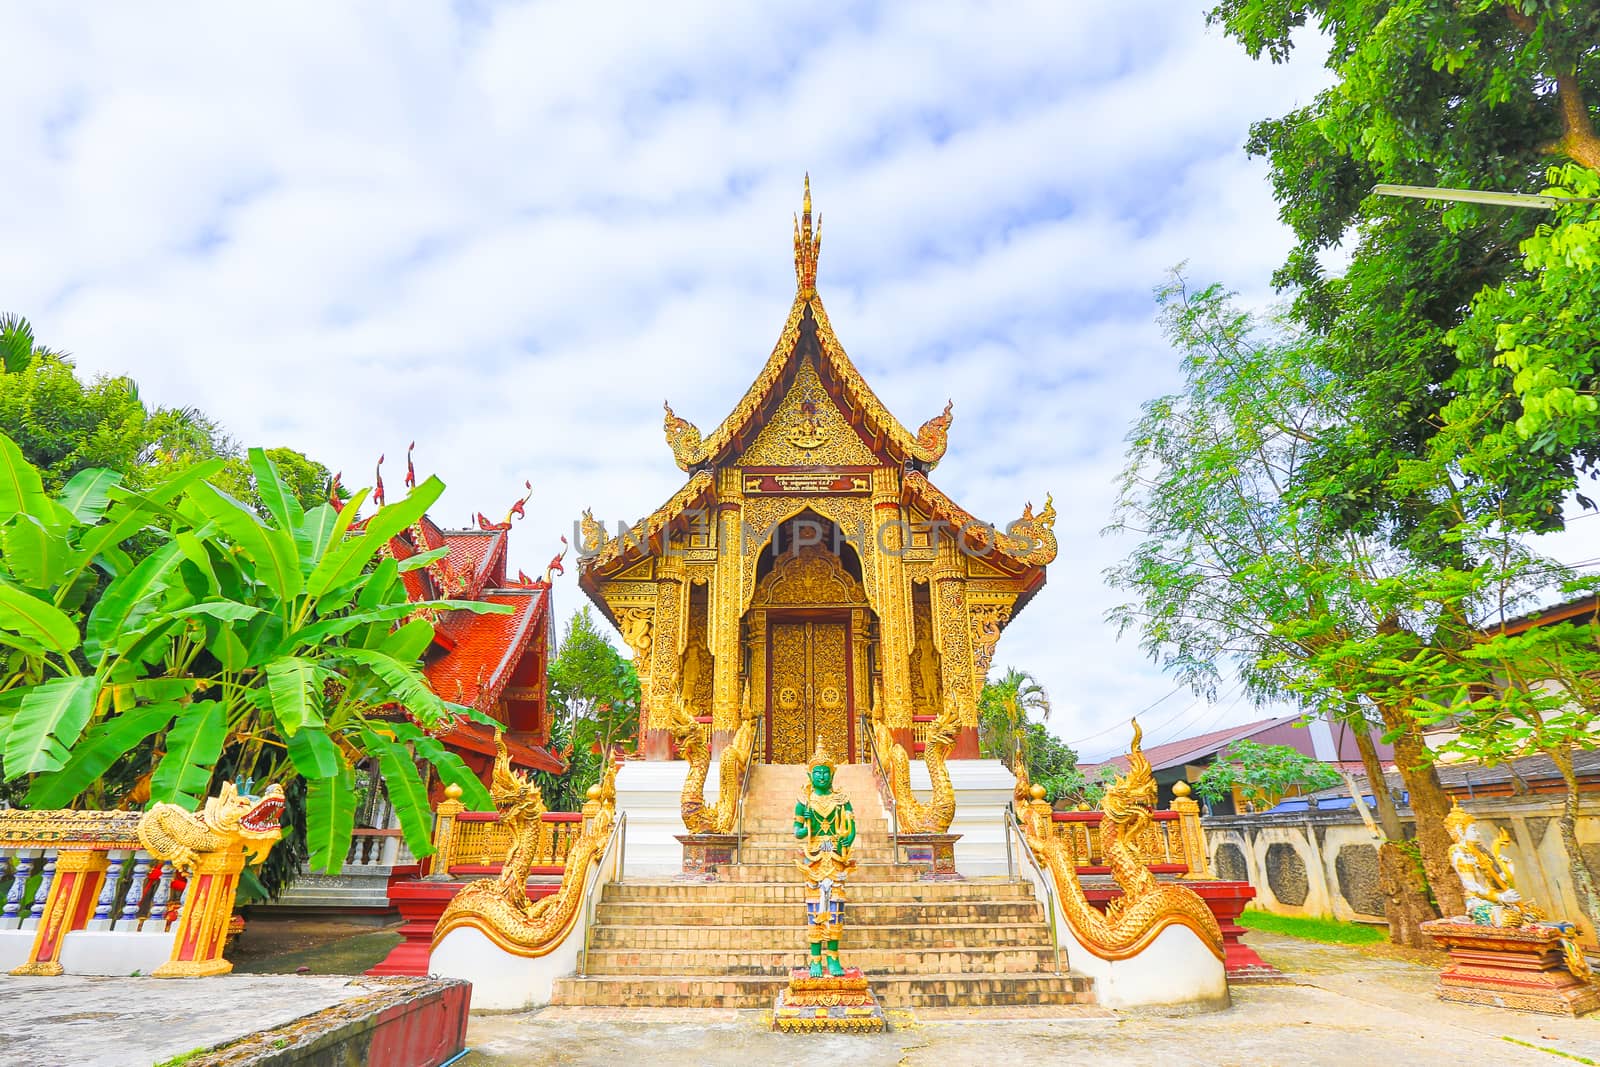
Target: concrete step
[[660, 890], [759, 991], [790, 938], [861, 916], [709, 962], [787, 872]]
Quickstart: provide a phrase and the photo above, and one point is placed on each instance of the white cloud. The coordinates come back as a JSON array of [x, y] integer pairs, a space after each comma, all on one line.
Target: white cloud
[[509, 231]]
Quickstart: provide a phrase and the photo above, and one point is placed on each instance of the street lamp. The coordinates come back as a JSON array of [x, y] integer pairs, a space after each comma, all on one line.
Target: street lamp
[[1478, 196]]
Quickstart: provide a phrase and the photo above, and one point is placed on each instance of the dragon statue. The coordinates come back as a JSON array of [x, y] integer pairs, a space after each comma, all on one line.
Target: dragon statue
[[1132, 921], [500, 909], [915, 817], [690, 737], [933, 434], [227, 821], [683, 437]]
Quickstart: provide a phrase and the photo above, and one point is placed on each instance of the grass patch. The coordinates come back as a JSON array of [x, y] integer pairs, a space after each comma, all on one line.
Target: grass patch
[[1543, 1048], [1329, 931]]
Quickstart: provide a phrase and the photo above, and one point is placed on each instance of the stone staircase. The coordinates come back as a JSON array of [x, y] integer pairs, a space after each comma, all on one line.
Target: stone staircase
[[668, 942]]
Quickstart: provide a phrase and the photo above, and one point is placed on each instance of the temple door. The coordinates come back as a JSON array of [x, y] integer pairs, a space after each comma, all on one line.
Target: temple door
[[810, 695]]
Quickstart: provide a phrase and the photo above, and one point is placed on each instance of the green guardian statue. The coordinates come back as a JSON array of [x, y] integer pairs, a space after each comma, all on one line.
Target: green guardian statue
[[825, 822]]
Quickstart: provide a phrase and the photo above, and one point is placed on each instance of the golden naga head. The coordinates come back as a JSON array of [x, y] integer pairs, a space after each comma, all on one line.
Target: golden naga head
[[254, 818], [513, 793], [1129, 799]]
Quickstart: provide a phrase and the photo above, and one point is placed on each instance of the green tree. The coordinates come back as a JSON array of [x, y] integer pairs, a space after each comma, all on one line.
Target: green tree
[[1509, 693], [1236, 566], [64, 426], [1263, 774], [267, 647], [1004, 706], [1482, 94], [594, 692]]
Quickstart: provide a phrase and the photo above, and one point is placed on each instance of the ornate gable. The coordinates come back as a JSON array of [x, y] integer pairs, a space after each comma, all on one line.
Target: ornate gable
[[808, 428]]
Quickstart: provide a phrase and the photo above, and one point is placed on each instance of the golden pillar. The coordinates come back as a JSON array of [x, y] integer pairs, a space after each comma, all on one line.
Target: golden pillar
[[952, 634], [726, 603], [756, 643], [888, 542], [666, 658]]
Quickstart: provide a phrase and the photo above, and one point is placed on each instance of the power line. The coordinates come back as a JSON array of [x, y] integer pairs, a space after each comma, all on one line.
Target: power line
[[1178, 689]]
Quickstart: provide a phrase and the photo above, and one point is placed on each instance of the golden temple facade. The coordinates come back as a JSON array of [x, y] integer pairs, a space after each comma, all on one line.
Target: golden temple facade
[[808, 573]]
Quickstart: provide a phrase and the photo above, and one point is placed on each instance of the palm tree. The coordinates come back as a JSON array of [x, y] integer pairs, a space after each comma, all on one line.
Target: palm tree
[[1003, 710]]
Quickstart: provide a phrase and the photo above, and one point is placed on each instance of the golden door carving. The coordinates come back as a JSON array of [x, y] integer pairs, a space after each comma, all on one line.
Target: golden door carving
[[810, 695]]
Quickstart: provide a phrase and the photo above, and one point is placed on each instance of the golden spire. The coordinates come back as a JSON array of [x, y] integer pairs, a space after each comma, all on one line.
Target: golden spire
[[807, 245]]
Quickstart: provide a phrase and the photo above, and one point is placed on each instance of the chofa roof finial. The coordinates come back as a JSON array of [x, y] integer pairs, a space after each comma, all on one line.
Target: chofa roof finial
[[807, 245]]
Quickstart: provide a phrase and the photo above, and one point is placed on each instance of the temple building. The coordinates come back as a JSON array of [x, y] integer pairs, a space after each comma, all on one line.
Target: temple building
[[493, 662], [809, 572]]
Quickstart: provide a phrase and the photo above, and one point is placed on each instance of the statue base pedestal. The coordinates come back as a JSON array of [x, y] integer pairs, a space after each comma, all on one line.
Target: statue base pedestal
[[843, 1005], [934, 853], [1509, 967], [703, 854]]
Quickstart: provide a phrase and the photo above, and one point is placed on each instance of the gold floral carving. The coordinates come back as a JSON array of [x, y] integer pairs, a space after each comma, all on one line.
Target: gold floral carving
[[788, 666], [987, 622], [763, 515], [808, 429], [635, 626], [1147, 907], [32, 829], [812, 576]]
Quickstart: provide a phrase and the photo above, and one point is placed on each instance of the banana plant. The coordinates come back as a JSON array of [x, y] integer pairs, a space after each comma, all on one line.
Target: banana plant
[[283, 638]]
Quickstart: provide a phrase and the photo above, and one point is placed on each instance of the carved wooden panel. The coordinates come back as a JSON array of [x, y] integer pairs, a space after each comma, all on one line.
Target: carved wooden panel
[[810, 690]]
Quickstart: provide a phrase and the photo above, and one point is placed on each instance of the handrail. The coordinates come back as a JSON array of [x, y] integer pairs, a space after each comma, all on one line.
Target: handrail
[[1014, 827], [885, 791], [591, 895], [744, 788]]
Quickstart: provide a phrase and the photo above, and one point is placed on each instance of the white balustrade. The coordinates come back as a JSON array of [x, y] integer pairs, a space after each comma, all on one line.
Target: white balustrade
[[46, 876]]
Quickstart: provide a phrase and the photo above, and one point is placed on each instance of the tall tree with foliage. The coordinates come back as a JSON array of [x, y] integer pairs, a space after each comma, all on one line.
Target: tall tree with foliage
[[268, 646], [64, 426], [594, 693], [1430, 92], [1237, 567], [1510, 692], [1004, 707]]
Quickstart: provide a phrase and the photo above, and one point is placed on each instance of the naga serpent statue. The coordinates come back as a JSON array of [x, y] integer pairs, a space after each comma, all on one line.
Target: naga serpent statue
[[1147, 906], [229, 820], [690, 737], [500, 908], [913, 816]]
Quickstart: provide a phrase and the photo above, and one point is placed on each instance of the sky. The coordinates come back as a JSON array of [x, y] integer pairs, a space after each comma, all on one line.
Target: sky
[[508, 232]]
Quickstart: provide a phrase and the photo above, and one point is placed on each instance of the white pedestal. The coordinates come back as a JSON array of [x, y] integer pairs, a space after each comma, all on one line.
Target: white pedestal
[[1176, 969], [983, 789], [649, 790], [115, 953]]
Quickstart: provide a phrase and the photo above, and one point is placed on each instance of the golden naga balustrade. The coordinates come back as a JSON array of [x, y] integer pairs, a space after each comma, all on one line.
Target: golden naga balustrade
[[1135, 844], [1174, 843], [86, 880], [475, 842]]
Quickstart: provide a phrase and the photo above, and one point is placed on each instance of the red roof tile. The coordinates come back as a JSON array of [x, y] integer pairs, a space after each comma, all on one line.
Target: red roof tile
[[1188, 749], [487, 647]]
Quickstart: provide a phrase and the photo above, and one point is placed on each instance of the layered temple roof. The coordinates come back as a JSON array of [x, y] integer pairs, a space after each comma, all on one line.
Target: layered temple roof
[[808, 353], [844, 383], [476, 657]]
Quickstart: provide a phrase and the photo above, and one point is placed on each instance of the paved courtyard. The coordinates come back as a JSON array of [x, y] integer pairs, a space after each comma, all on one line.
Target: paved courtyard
[[1346, 1006]]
